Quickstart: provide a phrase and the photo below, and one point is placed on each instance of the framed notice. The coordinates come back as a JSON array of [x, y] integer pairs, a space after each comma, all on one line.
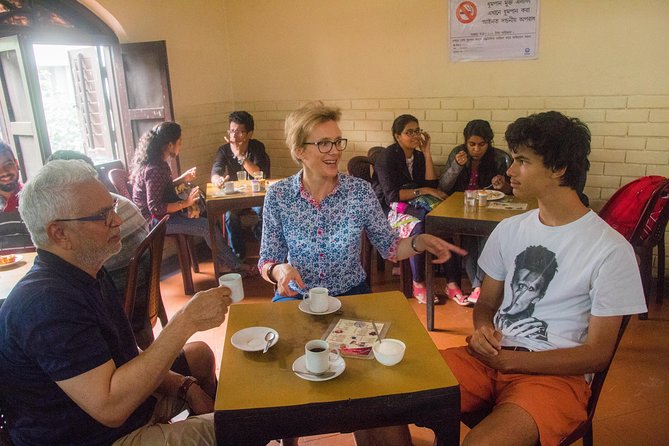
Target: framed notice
[[493, 30]]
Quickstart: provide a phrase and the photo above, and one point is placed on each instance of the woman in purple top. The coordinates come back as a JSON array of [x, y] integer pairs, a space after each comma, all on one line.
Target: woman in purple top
[[314, 220], [154, 191]]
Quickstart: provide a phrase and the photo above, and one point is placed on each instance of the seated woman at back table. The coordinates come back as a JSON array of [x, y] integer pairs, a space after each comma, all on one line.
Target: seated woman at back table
[[154, 192], [405, 174], [474, 165], [314, 220], [313, 223]]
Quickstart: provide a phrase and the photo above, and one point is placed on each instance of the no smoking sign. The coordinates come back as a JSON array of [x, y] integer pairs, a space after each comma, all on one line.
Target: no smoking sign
[[466, 12]]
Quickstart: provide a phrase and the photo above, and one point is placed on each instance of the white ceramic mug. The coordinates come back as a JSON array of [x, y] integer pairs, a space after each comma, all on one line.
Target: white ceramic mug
[[318, 300], [228, 187], [319, 355], [234, 282], [242, 175]]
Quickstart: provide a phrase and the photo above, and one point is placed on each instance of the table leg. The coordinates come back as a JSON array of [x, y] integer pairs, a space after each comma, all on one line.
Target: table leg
[[212, 217], [429, 290]]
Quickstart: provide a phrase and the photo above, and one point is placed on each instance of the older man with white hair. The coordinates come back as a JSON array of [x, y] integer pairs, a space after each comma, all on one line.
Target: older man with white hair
[[70, 371]]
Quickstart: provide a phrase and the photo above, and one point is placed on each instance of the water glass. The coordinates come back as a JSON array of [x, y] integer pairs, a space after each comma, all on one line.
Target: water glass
[[242, 175], [259, 175], [470, 198]]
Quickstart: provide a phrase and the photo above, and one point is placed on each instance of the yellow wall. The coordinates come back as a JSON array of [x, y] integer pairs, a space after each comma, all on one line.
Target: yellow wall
[[349, 49], [605, 61]]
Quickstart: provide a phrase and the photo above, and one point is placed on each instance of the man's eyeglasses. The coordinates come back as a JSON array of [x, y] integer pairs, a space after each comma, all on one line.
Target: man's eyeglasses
[[413, 132], [237, 132], [107, 215], [325, 146]]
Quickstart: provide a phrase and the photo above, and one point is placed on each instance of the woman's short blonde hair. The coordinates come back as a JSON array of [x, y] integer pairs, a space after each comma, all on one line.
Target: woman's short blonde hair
[[303, 120]]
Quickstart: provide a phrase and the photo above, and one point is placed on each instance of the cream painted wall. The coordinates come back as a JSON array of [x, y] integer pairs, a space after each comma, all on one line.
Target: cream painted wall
[[286, 50], [195, 32]]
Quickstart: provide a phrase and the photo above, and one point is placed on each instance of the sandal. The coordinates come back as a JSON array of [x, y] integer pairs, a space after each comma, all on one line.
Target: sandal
[[474, 296], [419, 292], [457, 296]]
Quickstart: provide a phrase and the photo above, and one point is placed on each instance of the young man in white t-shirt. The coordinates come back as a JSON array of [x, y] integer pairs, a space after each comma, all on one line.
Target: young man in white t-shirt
[[558, 280]]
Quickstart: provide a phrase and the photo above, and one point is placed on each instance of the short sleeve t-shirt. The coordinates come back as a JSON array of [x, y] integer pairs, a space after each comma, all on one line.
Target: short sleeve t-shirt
[[556, 277], [57, 323]]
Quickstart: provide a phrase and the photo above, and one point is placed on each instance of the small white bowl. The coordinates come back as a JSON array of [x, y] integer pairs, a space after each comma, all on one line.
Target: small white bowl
[[389, 352]]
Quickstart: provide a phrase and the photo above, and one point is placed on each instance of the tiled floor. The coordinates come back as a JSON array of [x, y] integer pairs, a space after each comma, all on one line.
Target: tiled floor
[[633, 408]]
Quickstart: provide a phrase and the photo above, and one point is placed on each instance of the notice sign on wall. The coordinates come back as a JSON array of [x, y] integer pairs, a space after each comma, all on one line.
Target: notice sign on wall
[[493, 30]]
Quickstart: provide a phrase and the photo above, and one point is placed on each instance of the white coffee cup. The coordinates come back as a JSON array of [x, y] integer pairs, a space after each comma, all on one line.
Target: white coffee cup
[[242, 175], [318, 300], [228, 187], [234, 282], [318, 356]]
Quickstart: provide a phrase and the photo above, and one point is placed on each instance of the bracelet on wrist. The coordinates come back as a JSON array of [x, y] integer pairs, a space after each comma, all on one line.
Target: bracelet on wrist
[[269, 274], [413, 245], [185, 386]]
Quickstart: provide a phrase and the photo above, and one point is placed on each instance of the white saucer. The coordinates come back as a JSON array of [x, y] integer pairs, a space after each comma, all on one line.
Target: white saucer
[[252, 339], [17, 259], [300, 365], [222, 193], [334, 304]]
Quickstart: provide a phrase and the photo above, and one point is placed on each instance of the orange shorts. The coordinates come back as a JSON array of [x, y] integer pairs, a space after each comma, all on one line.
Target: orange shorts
[[558, 404]]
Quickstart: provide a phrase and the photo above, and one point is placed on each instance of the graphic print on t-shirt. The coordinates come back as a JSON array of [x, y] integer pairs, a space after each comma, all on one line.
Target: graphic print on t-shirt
[[534, 269]]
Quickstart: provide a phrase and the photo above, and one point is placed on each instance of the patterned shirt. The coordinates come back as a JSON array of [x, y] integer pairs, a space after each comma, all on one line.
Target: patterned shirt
[[149, 189], [322, 240]]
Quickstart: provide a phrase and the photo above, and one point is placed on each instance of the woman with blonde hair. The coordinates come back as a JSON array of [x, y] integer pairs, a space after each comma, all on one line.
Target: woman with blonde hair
[[314, 220]]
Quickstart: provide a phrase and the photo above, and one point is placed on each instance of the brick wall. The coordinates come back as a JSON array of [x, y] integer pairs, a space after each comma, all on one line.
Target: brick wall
[[630, 134]]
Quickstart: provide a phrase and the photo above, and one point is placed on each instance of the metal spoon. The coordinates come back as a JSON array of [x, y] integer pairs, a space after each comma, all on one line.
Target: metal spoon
[[378, 335], [269, 337], [323, 375]]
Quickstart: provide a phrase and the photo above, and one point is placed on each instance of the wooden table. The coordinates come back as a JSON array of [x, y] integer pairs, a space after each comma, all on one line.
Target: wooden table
[[10, 275], [218, 204], [260, 399], [451, 218]]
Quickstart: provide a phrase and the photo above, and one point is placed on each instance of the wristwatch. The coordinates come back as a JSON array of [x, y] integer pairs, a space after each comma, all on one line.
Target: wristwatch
[[416, 192], [185, 385]]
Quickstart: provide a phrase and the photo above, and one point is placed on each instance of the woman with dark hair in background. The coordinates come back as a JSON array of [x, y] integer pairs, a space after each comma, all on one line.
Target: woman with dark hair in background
[[154, 191], [474, 165], [406, 173]]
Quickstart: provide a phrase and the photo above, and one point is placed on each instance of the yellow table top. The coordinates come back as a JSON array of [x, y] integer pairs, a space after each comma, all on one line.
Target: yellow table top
[[253, 380], [454, 207]]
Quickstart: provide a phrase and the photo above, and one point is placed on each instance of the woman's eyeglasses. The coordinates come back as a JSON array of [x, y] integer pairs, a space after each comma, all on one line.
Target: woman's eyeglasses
[[107, 215], [325, 146], [413, 132]]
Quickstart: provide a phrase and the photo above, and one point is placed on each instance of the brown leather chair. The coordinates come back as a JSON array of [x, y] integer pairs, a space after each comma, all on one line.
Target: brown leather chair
[[584, 430], [153, 244], [187, 258]]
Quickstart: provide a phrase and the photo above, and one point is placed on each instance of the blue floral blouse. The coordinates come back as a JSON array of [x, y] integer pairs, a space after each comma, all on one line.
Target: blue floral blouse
[[322, 241]]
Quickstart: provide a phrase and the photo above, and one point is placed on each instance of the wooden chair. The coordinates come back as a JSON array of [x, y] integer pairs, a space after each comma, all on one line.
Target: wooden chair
[[649, 233], [359, 166], [153, 244], [187, 258], [584, 430]]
